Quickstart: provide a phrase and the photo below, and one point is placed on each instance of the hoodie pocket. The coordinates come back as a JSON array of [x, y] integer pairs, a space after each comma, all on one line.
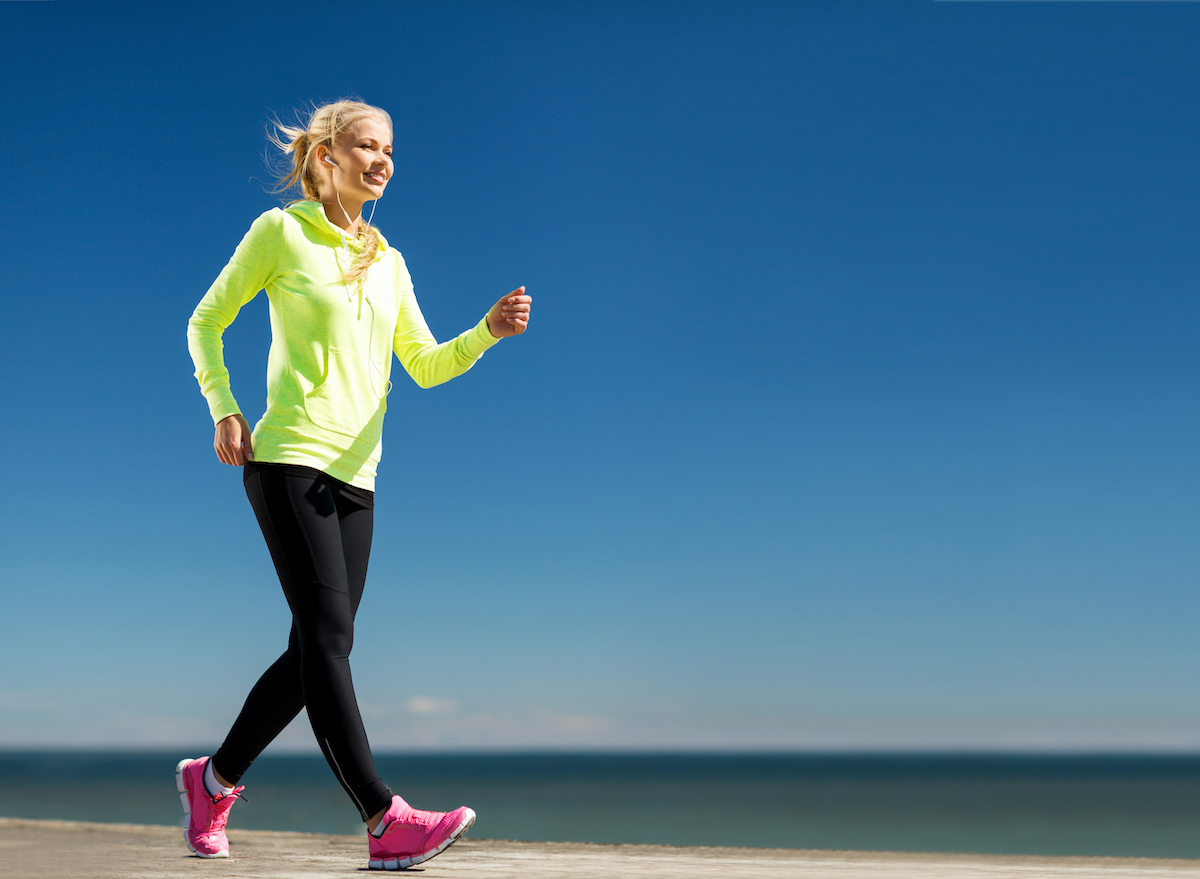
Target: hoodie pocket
[[344, 401]]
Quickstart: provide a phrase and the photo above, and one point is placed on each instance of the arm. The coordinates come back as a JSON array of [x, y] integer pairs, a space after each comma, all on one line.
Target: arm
[[430, 363], [248, 271]]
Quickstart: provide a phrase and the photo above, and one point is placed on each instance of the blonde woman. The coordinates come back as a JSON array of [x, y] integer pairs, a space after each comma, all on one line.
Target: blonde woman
[[341, 303]]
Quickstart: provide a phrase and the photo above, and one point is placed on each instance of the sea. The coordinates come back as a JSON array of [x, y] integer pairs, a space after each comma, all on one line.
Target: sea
[[1145, 806]]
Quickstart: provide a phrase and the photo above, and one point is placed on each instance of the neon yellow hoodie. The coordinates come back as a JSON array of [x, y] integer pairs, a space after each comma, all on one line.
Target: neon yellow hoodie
[[331, 342]]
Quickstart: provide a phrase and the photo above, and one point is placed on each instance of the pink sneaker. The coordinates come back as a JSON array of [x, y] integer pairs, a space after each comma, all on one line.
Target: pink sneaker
[[205, 815], [413, 836]]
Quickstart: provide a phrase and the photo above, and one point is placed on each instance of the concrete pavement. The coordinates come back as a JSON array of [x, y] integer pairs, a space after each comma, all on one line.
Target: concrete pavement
[[70, 850]]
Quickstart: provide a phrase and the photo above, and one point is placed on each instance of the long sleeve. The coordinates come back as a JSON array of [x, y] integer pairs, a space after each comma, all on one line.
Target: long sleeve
[[428, 362], [251, 268]]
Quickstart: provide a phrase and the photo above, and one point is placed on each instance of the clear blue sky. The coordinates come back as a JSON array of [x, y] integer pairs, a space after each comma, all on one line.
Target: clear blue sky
[[859, 406]]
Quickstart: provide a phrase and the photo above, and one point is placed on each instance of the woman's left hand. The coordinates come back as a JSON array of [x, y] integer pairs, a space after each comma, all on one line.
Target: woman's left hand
[[510, 315]]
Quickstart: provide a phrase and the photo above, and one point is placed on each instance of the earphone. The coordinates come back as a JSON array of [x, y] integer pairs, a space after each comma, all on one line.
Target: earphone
[[330, 161], [346, 247]]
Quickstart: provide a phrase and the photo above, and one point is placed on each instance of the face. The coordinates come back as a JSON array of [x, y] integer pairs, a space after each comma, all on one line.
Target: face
[[364, 160]]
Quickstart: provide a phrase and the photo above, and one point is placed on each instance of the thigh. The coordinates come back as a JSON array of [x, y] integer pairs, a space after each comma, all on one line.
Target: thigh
[[300, 522]]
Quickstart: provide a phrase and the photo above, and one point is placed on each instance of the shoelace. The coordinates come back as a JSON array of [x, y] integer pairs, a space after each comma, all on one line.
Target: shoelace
[[425, 819], [236, 795], [221, 816]]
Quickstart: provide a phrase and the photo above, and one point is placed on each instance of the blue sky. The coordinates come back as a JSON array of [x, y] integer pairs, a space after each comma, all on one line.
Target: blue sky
[[858, 409]]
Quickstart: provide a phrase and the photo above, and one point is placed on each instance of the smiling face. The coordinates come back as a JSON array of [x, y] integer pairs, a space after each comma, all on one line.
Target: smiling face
[[364, 162]]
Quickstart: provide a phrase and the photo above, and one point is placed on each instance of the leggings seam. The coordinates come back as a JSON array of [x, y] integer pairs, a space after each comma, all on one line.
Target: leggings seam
[[275, 530], [342, 778], [312, 555]]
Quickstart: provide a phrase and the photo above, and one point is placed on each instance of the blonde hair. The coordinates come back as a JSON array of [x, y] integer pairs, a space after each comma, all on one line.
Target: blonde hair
[[326, 125]]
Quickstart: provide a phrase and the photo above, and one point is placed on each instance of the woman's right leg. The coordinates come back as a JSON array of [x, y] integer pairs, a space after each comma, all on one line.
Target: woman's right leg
[[319, 543], [273, 703]]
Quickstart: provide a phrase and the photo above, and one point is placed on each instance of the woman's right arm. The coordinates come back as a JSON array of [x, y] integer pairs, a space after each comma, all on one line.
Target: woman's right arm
[[250, 269]]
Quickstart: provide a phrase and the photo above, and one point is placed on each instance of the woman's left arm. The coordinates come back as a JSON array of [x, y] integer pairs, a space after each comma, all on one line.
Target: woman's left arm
[[430, 363]]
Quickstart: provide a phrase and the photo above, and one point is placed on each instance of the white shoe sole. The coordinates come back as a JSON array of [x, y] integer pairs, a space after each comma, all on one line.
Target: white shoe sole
[[187, 809], [405, 863]]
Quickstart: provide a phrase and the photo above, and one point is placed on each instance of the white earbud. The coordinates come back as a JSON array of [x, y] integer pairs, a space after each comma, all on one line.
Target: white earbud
[[329, 161]]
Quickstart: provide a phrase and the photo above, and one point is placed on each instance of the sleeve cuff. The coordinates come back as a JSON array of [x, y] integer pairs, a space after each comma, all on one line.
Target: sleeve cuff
[[222, 408], [479, 339]]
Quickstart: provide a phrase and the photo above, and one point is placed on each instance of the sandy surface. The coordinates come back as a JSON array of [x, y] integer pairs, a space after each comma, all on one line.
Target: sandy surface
[[69, 849]]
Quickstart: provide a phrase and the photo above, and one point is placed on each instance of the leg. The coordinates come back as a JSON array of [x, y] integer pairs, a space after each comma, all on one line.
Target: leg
[[273, 703], [320, 543]]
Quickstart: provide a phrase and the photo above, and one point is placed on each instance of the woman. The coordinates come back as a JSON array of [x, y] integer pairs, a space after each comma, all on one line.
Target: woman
[[341, 302]]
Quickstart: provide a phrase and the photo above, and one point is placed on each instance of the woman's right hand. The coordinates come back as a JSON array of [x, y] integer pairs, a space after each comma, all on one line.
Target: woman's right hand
[[232, 441]]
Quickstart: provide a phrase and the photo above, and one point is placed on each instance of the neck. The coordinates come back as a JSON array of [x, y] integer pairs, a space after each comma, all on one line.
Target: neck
[[349, 219]]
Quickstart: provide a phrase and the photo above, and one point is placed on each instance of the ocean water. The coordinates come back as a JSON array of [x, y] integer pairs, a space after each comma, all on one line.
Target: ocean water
[[1084, 805]]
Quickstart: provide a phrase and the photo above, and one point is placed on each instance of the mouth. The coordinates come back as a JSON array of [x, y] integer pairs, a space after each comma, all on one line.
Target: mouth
[[375, 177]]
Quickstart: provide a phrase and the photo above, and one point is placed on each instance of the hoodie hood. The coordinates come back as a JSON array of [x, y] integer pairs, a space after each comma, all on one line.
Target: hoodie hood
[[312, 214]]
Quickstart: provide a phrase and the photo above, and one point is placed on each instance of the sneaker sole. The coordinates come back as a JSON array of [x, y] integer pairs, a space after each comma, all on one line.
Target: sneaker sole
[[187, 809], [412, 860]]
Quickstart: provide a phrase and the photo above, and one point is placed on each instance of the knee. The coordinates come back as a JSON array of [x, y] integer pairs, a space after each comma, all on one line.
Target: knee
[[328, 638]]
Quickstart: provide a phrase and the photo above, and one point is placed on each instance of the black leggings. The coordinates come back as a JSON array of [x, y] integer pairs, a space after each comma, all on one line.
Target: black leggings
[[320, 539]]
